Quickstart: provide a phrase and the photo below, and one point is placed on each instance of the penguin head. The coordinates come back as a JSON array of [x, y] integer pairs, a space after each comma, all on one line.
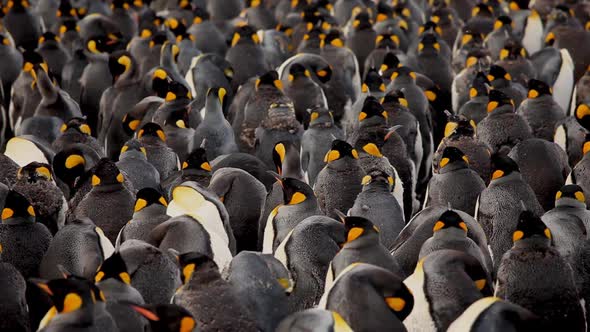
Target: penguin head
[[479, 86], [358, 227], [503, 21], [197, 160], [113, 267], [178, 28], [362, 21], [390, 64], [403, 73], [498, 99], [482, 10], [5, 41], [380, 176], [471, 39], [76, 125], [72, 164], [571, 192], [285, 156], [194, 261], [333, 38], [384, 12], [498, 73], [530, 226], [321, 116], [68, 295], [502, 166], [134, 147], [373, 82], [583, 115], [200, 15], [516, 5], [106, 173], [340, 150], [429, 44], [245, 35], [33, 61], [538, 88], [295, 191], [17, 206], [178, 119], [395, 98], [478, 57], [387, 41], [177, 91], [147, 197], [49, 38], [166, 317], [453, 155], [512, 50], [160, 82], [158, 39], [586, 145], [18, 6], [450, 220], [120, 5], [35, 172], [430, 27], [217, 96], [297, 71], [69, 25], [372, 113], [442, 16], [65, 9], [269, 79], [151, 131], [121, 62], [100, 44]]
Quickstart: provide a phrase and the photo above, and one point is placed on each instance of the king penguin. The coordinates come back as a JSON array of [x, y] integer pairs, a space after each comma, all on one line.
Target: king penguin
[[166, 317], [541, 111], [314, 319], [149, 212]]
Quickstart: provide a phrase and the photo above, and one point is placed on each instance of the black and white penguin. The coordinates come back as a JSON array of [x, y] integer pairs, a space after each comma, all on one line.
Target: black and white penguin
[[522, 266], [149, 212], [135, 167], [541, 111], [245, 55], [14, 310], [195, 167], [501, 80], [570, 204], [476, 108], [305, 93], [76, 131], [164, 159]]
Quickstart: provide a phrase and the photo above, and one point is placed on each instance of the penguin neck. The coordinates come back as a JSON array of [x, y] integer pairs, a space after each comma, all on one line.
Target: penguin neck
[[500, 83], [133, 154], [451, 233], [15, 221], [152, 141], [452, 167], [96, 57], [504, 109], [291, 168], [107, 188], [150, 211], [366, 240], [213, 112], [343, 164], [128, 77], [535, 243], [203, 276], [570, 202], [321, 124], [480, 99], [377, 187], [514, 176]]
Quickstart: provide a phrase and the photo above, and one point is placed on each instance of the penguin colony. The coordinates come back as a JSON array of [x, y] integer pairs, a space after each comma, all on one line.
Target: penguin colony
[[294, 165]]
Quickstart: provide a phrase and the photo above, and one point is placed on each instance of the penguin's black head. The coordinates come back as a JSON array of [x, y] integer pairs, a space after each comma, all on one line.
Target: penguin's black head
[[106, 173], [389, 65], [185, 5], [178, 28], [498, 73], [503, 166], [572, 191], [113, 267], [120, 62], [69, 25], [479, 86], [324, 73], [403, 72], [49, 37], [334, 38], [279, 154], [370, 148], [65, 9], [254, 3], [200, 15], [298, 70], [78, 125], [97, 44], [32, 60], [471, 38], [166, 317], [387, 41], [70, 165], [270, 78], [220, 93], [497, 99], [516, 5], [17, 206], [482, 10], [530, 226], [320, 116], [373, 82], [357, 227], [378, 176], [130, 124], [373, 110], [178, 119], [151, 129], [513, 50], [429, 43], [384, 11], [451, 155], [245, 35], [340, 149], [362, 21], [538, 88], [18, 6], [189, 262], [449, 219], [160, 82], [503, 21], [402, 11], [177, 91], [4, 40], [133, 145], [120, 4], [295, 191], [314, 35], [35, 172], [395, 98], [429, 27], [460, 126], [67, 295], [442, 16], [148, 196], [197, 159], [583, 115], [479, 57]]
